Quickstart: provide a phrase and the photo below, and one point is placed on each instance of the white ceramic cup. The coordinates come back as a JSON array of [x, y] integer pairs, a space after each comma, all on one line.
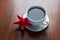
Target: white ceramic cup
[[36, 16]]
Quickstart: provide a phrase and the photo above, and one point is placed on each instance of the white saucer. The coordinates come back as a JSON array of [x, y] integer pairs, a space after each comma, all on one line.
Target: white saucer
[[36, 28]]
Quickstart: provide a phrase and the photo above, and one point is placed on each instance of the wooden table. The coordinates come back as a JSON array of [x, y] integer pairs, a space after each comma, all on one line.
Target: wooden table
[[8, 16]]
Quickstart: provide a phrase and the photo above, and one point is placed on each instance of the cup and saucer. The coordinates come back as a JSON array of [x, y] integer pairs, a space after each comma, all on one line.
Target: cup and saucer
[[38, 17]]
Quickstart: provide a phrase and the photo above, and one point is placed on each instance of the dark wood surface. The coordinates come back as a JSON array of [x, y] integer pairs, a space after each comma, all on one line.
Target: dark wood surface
[[10, 31]]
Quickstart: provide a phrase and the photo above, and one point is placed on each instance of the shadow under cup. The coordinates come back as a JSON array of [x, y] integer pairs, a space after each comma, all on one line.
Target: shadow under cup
[[36, 16]]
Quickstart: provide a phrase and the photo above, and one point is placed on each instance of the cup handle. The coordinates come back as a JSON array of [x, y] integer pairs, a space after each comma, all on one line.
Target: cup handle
[[45, 23]]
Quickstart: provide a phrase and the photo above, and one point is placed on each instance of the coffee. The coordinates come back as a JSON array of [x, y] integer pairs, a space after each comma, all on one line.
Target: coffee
[[36, 14]]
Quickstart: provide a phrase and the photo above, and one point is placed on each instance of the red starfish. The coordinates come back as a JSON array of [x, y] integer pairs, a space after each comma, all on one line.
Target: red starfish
[[22, 22]]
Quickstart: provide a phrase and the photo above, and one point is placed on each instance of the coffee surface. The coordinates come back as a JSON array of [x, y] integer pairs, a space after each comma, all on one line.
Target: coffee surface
[[36, 14]]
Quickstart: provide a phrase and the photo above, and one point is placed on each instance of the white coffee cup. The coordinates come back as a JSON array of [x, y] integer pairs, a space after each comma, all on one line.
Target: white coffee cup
[[38, 18]]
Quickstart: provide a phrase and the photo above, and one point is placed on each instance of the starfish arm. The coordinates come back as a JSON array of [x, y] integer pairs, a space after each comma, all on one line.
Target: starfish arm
[[19, 17], [28, 24], [26, 19], [16, 23], [22, 27]]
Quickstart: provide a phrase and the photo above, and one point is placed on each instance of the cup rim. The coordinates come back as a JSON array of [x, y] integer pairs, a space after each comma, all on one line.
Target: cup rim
[[39, 7]]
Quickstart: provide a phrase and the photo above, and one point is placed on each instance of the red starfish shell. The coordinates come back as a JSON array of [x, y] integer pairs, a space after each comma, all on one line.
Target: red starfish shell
[[22, 22]]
